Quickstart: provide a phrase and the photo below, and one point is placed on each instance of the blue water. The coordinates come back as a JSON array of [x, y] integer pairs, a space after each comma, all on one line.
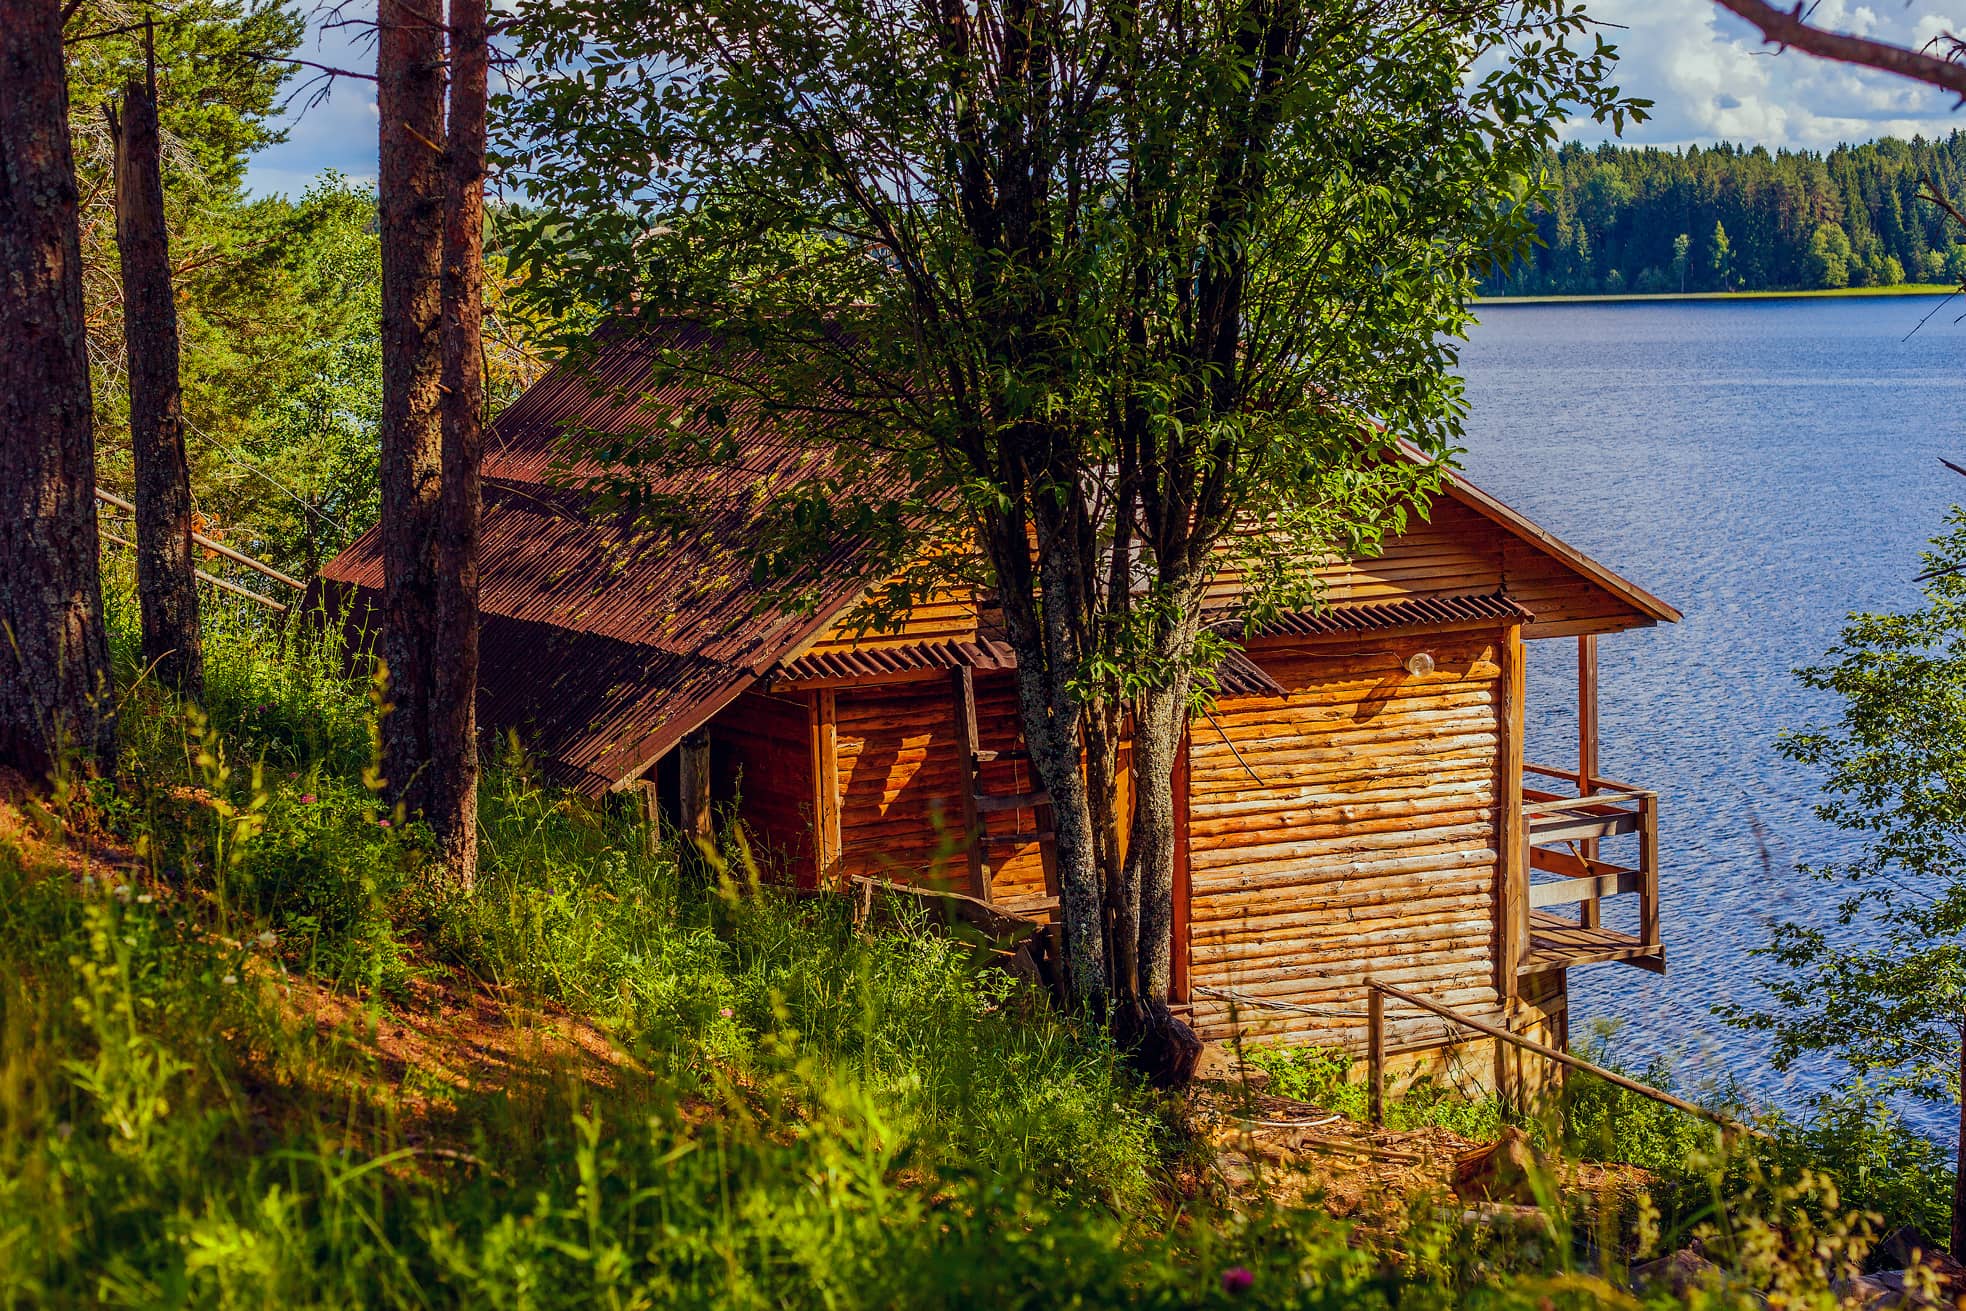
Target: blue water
[[1767, 467]]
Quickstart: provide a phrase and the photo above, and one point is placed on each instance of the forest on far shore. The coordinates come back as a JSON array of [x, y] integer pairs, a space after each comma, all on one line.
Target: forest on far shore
[[1623, 219]]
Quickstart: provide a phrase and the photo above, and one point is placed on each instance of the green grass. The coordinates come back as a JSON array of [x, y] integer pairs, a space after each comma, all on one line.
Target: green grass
[[1901, 289], [790, 1112]]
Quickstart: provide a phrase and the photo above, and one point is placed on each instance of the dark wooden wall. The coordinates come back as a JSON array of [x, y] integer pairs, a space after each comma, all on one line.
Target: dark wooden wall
[[760, 753]]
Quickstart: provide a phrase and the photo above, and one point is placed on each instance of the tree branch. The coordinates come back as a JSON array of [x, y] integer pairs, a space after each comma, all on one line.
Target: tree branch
[[1787, 28]]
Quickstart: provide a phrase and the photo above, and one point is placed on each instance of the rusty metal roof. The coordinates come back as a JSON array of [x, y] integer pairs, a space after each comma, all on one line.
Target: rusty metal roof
[[1236, 675], [603, 643], [1406, 612], [879, 662]]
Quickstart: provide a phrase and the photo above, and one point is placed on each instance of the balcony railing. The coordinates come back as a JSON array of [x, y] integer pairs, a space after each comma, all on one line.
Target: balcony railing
[[1562, 833]]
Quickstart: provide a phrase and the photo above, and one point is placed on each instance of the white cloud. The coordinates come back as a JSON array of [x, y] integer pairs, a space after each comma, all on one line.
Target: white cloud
[[1712, 78]]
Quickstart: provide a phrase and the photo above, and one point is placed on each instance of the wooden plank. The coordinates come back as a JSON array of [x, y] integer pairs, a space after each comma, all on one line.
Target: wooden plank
[[962, 683], [1511, 839], [990, 805], [825, 786], [1545, 829], [1564, 891]]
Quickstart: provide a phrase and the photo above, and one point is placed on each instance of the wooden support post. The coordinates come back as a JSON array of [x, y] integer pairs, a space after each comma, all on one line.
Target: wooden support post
[[693, 768], [826, 844], [1512, 876], [963, 682], [1588, 911], [1648, 870], [1375, 1052], [644, 792]]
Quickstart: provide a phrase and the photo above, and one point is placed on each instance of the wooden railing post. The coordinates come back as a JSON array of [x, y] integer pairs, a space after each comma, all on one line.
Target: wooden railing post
[[1648, 869], [1375, 1052]]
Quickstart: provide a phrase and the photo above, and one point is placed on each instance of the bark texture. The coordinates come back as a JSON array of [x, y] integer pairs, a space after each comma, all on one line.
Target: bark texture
[[167, 590], [452, 803], [411, 187], [54, 659]]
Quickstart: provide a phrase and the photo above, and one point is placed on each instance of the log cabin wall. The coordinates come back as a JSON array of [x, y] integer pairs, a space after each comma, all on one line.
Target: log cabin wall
[[1367, 841], [761, 757], [1460, 552]]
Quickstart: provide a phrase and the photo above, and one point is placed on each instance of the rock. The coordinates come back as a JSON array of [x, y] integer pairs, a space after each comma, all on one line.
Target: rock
[[1906, 1247], [1502, 1171], [1678, 1274], [1156, 1042]]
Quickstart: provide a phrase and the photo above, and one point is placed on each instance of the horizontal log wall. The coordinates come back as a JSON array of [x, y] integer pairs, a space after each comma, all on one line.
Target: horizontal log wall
[[1458, 551], [946, 616], [1365, 844], [761, 755]]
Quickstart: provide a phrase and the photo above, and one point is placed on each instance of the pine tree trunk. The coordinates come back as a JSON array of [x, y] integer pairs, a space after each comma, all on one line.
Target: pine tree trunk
[[411, 175], [453, 799], [167, 590], [54, 659]]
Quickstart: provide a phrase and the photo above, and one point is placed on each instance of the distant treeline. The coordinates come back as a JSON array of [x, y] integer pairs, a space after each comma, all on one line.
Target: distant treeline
[[1725, 218]]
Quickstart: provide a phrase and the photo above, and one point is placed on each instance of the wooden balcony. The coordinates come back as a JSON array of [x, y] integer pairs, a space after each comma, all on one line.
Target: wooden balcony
[[1561, 833]]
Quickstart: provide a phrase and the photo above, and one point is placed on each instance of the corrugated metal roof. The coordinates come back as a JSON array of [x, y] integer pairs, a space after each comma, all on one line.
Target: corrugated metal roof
[[602, 643], [1236, 674], [877, 662], [1406, 612]]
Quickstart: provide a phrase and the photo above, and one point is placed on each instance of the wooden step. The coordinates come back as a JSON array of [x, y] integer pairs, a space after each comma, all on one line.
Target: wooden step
[[986, 803], [1044, 838]]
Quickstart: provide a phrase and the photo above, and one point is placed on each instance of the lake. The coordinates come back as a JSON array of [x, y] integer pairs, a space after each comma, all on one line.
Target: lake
[[1766, 466]]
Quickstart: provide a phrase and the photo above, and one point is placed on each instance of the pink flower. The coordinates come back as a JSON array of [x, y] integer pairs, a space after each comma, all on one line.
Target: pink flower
[[725, 1012], [385, 823], [307, 798], [1237, 1279]]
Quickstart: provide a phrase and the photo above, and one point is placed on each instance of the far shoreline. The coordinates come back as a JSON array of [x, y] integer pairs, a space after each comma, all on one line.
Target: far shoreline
[[1625, 298]]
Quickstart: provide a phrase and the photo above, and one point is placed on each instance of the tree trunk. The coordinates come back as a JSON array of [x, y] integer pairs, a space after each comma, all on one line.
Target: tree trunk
[[167, 589], [1959, 1160], [1161, 716], [452, 807], [410, 104], [54, 658]]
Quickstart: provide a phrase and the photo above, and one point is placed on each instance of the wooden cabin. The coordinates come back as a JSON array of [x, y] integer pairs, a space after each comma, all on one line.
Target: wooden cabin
[[1356, 805]]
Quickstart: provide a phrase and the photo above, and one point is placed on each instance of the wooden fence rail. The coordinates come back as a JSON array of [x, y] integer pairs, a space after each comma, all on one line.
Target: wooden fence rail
[[1376, 1056], [211, 544]]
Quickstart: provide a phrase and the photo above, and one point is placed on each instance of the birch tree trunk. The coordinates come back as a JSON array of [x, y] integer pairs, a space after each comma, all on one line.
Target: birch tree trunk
[[54, 658], [167, 589]]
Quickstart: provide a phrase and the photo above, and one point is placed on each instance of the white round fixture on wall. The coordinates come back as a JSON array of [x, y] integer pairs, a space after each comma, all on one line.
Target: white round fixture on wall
[[1420, 664]]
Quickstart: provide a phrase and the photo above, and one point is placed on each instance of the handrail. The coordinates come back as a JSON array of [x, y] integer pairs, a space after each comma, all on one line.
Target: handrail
[[1570, 776], [222, 584], [1547, 804], [1376, 1045], [210, 544]]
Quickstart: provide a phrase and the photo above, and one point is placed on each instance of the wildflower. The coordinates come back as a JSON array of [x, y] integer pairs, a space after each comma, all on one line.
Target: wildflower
[[145, 899], [232, 979], [88, 881], [385, 823], [1237, 1279], [268, 939], [307, 798], [123, 891], [725, 1012]]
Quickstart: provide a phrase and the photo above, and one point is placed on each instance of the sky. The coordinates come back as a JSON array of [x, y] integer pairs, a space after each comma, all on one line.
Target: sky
[[1707, 72]]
